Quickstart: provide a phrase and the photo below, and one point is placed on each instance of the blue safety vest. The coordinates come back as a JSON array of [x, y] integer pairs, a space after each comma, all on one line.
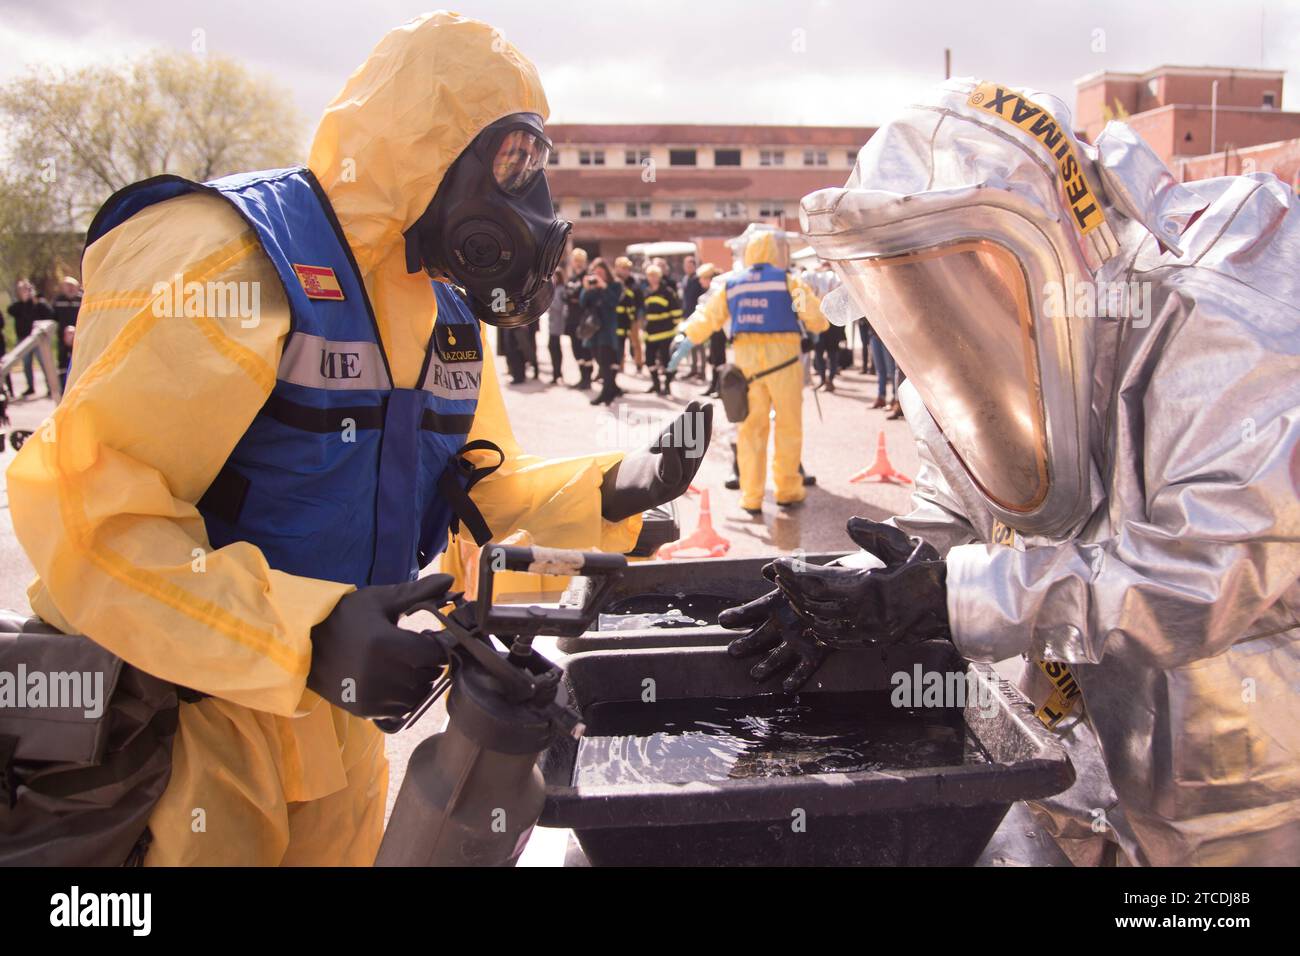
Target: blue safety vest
[[759, 301], [340, 476]]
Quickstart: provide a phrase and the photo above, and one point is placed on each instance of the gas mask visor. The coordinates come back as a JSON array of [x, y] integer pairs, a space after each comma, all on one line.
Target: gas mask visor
[[957, 319]]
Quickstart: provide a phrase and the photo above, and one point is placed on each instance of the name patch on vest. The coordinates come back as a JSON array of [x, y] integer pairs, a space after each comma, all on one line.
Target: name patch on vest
[[456, 343], [315, 362], [319, 282]]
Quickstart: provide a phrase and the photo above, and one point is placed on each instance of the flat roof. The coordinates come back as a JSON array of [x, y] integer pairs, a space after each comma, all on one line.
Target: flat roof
[[702, 134], [1167, 70]]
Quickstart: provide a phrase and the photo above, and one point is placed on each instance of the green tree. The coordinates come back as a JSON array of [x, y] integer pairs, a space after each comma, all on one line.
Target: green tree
[[77, 136]]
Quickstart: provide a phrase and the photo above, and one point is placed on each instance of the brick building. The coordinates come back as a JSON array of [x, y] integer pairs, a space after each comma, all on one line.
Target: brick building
[[1282, 159], [1181, 113], [626, 183]]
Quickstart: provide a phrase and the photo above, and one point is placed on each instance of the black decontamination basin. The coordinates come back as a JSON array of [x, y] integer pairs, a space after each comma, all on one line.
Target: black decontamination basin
[[936, 816]]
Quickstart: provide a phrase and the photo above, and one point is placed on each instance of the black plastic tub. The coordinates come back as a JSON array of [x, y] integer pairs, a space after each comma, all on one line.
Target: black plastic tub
[[737, 580], [937, 816]]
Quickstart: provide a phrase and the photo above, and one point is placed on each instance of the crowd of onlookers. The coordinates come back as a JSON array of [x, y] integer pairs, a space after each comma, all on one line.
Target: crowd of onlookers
[[29, 307], [609, 315], [612, 315]]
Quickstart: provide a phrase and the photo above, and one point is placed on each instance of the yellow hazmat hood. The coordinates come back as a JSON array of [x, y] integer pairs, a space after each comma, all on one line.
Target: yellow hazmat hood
[[426, 90], [768, 247]]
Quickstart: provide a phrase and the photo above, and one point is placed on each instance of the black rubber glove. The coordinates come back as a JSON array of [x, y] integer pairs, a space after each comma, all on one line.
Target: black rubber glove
[[902, 603], [658, 474], [778, 630], [363, 662]]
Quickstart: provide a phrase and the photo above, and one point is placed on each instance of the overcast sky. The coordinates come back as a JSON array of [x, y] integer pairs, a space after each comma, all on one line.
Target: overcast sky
[[731, 61]]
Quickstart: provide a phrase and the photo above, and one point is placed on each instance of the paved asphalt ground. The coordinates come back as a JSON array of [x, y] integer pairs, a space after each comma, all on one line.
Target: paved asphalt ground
[[554, 421]]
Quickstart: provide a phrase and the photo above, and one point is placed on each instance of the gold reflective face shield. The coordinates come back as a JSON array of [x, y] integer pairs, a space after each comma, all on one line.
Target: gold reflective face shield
[[957, 319]]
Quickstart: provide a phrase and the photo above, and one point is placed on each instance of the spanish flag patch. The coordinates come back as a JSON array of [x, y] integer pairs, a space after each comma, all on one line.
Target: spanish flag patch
[[319, 282]]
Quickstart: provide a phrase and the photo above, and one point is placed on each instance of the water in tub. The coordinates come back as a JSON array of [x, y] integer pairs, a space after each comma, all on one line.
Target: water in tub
[[714, 739]]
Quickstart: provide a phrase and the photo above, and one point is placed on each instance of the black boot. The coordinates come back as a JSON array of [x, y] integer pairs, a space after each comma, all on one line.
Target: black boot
[[733, 480], [654, 382], [668, 384], [584, 377]]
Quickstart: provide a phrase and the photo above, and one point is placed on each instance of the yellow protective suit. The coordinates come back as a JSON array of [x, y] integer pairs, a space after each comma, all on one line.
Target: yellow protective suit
[[781, 391], [103, 499]]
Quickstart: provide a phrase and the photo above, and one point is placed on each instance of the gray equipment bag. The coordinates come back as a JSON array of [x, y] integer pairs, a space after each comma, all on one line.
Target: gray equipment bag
[[733, 388], [85, 749]]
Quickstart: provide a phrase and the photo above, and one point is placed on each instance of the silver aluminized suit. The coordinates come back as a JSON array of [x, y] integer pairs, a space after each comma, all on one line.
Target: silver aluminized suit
[[1161, 562]]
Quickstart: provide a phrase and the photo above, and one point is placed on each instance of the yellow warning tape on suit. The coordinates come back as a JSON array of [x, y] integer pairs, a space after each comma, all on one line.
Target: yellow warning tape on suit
[[1065, 697], [1031, 118]]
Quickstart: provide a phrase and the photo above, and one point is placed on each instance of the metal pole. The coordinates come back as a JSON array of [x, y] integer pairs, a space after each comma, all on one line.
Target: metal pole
[[947, 63], [1214, 116], [41, 343]]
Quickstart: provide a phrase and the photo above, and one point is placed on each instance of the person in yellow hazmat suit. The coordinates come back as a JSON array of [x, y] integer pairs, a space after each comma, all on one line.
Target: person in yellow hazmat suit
[[236, 495], [766, 311]]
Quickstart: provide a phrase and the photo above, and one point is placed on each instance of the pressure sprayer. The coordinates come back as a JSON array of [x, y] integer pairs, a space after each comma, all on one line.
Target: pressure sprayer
[[473, 792]]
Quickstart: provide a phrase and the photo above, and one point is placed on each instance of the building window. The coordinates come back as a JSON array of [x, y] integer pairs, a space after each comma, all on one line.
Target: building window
[[554, 159], [851, 157], [591, 157], [681, 157], [555, 208], [682, 210], [815, 157], [592, 210], [1270, 100], [726, 157], [771, 157], [635, 157], [728, 210], [637, 210], [771, 210]]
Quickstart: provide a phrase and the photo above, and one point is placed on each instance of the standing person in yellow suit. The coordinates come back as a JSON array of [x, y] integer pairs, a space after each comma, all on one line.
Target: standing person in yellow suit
[[767, 312], [238, 500]]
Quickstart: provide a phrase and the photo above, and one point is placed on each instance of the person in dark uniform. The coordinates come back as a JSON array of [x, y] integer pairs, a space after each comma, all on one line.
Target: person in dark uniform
[[630, 310], [66, 305], [27, 309], [663, 313]]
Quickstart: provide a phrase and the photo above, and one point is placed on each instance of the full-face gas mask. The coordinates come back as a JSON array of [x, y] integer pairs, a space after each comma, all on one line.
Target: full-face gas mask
[[491, 226]]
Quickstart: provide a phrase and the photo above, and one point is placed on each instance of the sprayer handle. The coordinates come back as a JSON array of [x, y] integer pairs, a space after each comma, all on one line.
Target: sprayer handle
[[600, 568]]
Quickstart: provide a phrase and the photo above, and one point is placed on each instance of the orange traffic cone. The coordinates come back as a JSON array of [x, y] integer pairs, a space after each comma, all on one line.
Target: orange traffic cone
[[881, 468], [703, 542]]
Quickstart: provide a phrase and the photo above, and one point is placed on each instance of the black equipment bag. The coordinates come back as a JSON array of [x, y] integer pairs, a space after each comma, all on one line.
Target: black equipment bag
[[85, 748], [733, 388]]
